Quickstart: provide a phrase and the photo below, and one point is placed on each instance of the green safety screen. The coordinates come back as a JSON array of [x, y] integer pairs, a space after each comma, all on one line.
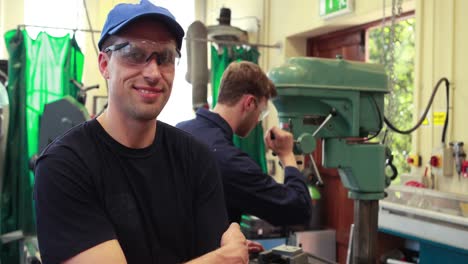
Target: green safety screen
[[39, 72]]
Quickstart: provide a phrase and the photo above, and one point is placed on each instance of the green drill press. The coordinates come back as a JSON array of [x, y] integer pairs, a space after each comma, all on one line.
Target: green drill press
[[340, 102]]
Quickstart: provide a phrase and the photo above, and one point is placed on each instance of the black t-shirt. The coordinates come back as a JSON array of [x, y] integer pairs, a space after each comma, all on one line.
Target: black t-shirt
[[163, 203]]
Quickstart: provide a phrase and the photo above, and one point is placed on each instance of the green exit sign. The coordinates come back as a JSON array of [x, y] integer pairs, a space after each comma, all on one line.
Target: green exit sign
[[332, 8]]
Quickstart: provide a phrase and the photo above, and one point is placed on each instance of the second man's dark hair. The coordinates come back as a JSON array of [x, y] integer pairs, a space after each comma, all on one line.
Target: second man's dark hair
[[242, 78]]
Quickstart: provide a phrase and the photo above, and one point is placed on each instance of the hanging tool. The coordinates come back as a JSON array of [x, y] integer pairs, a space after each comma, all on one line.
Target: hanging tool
[[459, 155]]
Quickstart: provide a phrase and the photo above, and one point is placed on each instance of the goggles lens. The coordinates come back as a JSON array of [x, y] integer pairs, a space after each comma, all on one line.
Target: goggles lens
[[264, 112], [141, 52]]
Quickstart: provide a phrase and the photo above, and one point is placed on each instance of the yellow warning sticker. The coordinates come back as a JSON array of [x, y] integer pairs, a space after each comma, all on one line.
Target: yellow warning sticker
[[425, 121], [439, 118]]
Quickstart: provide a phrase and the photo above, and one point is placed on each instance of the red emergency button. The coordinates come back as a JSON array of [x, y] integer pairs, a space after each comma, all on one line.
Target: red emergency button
[[464, 169], [435, 161]]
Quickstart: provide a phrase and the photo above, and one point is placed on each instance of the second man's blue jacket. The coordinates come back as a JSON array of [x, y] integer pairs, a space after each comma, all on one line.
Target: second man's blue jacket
[[247, 189]]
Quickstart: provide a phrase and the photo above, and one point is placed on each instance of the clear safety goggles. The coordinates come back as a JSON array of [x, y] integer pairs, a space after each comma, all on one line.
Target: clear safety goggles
[[264, 111], [263, 114], [141, 52]]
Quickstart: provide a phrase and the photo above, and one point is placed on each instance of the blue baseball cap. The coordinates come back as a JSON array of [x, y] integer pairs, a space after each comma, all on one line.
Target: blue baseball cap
[[124, 14]]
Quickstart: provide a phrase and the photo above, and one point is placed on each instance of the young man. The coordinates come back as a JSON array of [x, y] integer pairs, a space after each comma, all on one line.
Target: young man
[[242, 102], [124, 187]]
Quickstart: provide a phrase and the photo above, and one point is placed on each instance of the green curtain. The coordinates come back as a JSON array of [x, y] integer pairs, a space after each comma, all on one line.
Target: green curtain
[[253, 144], [39, 72]]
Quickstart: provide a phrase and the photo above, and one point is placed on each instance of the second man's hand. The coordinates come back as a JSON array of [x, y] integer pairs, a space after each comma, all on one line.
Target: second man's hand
[[281, 142]]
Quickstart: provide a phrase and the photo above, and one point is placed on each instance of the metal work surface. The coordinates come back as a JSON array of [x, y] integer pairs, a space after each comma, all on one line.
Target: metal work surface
[[426, 214], [285, 254]]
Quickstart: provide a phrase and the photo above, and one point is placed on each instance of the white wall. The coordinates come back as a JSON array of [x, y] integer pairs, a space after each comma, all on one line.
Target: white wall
[[11, 15], [442, 38]]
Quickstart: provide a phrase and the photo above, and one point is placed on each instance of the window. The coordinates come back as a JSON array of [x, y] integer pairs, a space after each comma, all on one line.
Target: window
[[399, 107]]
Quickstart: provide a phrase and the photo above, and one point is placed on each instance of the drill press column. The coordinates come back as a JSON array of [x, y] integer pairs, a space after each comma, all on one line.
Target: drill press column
[[309, 89]]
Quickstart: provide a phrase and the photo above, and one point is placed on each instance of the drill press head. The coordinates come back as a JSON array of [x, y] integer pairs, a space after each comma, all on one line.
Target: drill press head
[[334, 100], [309, 89]]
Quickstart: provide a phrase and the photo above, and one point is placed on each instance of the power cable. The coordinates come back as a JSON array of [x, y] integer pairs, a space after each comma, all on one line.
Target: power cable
[[421, 119]]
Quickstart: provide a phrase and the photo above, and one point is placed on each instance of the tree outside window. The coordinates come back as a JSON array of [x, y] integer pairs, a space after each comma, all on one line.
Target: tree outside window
[[399, 106]]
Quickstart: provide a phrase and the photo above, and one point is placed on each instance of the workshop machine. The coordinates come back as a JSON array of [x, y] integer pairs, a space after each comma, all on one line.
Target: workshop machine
[[340, 102]]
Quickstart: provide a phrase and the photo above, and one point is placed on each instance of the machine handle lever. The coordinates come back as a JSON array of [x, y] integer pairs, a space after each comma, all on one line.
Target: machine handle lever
[[332, 114], [317, 173], [272, 137]]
